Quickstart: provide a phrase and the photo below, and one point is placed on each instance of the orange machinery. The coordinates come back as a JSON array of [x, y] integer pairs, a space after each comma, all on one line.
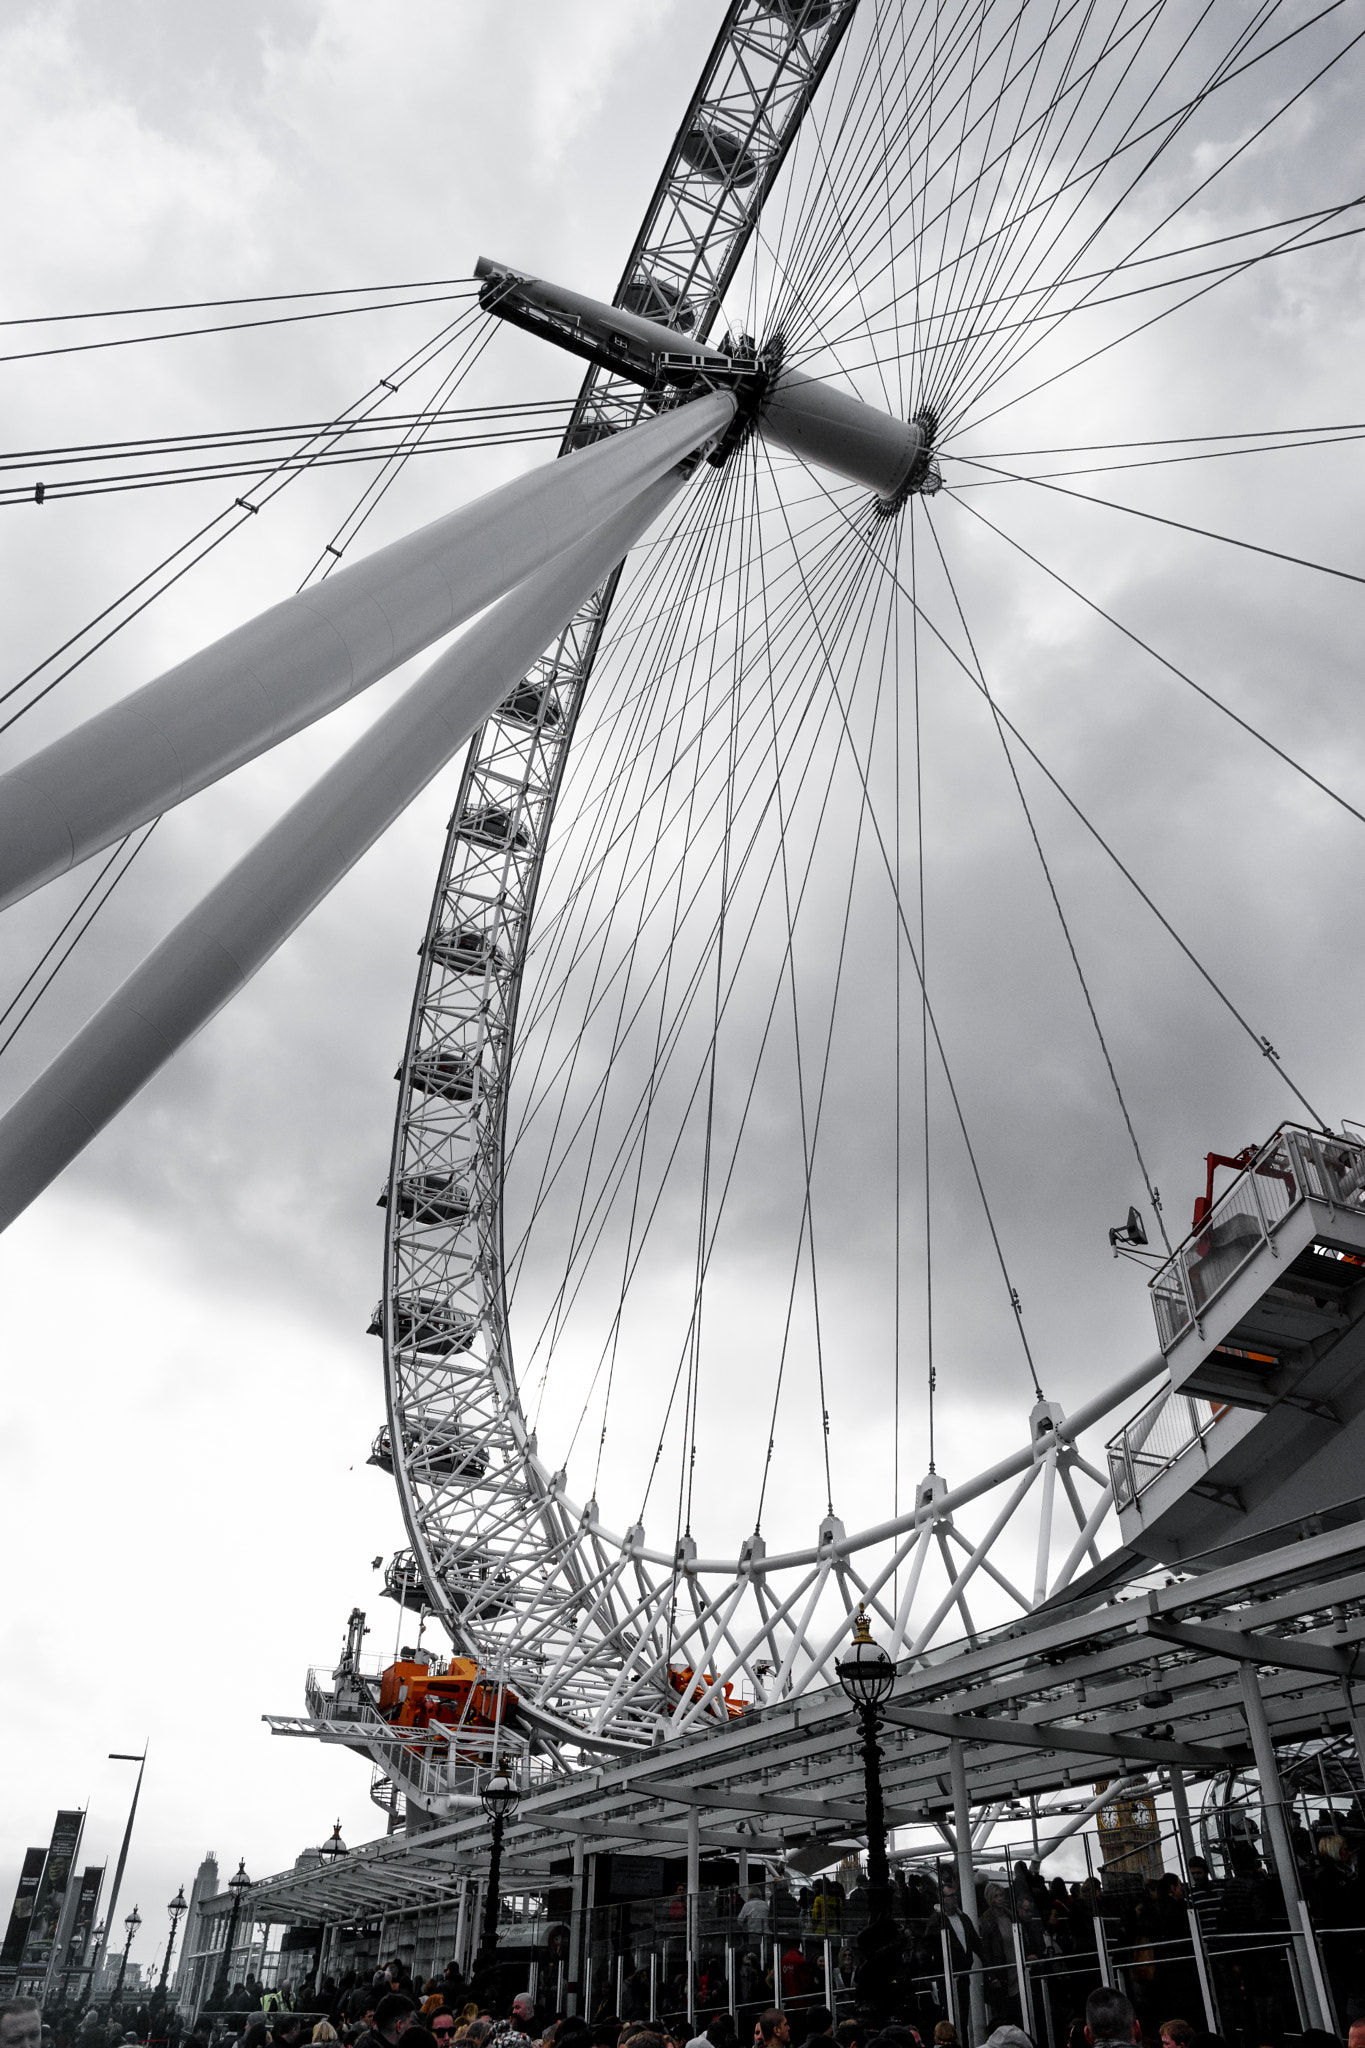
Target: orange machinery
[[684, 1680], [457, 1695]]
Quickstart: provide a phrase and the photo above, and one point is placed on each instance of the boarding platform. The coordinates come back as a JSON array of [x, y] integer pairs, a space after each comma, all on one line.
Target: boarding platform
[[1261, 1316]]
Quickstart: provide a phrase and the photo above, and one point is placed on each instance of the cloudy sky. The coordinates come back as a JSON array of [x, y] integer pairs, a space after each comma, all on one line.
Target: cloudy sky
[[190, 1393]]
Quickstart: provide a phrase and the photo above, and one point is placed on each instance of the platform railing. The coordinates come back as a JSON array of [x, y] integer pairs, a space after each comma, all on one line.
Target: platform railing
[[1158, 1436], [1293, 1166]]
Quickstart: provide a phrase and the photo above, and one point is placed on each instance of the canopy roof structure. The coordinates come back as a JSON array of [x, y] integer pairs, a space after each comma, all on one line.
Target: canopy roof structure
[[1133, 1677]]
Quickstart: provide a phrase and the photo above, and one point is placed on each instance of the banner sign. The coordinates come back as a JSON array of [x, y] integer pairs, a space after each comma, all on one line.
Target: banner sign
[[83, 1925], [21, 1913], [47, 1906]]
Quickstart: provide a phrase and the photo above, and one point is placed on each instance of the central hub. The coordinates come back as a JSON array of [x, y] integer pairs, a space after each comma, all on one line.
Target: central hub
[[812, 420]]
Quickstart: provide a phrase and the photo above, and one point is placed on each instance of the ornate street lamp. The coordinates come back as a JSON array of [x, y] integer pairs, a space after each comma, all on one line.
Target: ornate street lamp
[[867, 1676], [132, 1923], [175, 1909], [334, 1846], [239, 1884], [500, 1797]]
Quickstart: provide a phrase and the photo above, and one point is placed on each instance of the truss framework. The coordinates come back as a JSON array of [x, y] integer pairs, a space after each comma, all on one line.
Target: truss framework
[[511, 1567], [1141, 1679]]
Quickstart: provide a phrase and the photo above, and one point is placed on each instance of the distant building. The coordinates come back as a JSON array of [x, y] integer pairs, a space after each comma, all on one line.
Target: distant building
[[205, 1887]]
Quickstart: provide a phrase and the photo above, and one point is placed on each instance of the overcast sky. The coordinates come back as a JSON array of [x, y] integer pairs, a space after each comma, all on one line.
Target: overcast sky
[[190, 1393]]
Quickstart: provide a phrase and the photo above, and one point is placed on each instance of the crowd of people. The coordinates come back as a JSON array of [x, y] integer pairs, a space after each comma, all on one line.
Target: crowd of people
[[767, 1960], [382, 2014]]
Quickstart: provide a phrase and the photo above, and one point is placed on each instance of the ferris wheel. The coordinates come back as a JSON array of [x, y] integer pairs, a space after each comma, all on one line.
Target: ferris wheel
[[693, 1209]]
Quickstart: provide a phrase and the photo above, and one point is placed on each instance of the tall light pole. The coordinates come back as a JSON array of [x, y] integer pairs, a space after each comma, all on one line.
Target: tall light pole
[[175, 1909], [117, 1756], [867, 1676], [500, 1797], [239, 1884], [132, 1923]]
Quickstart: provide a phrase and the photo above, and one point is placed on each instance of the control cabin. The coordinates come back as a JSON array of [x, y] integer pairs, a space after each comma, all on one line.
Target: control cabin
[[1261, 1316]]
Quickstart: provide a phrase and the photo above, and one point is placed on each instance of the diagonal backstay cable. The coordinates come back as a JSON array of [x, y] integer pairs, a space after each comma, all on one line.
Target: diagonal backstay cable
[[1262, 1043], [1015, 1303], [1137, 640], [37, 969], [1231, 540], [1152, 1195]]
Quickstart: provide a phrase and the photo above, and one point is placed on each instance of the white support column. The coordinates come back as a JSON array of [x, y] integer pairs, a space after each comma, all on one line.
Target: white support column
[[1319, 2013], [966, 1880], [213, 951], [299, 660], [693, 1907], [571, 2002], [460, 1919], [1356, 1720], [1175, 1778]]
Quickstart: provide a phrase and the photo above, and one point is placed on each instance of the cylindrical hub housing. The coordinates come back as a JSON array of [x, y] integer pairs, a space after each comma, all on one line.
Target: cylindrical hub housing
[[827, 427]]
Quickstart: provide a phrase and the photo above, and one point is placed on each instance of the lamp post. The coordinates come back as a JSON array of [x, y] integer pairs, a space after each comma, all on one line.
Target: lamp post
[[132, 1923], [500, 1797], [175, 1909], [332, 1849], [239, 1884], [867, 1676]]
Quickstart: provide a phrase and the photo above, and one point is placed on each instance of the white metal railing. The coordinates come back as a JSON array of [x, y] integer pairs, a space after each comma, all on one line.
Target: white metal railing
[[1157, 1437], [1293, 1166]]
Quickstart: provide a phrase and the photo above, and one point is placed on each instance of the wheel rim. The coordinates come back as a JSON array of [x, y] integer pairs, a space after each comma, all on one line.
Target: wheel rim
[[586, 1622]]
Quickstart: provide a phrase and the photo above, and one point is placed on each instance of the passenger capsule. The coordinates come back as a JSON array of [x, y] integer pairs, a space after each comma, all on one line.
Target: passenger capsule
[[465, 950], [422, 1322], [717, 155], [656, 299], [530, 705], [429, 1198], [434, 1072], [490, 825]]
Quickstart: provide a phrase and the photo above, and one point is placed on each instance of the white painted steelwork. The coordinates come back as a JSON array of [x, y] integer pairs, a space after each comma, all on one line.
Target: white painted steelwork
[[521, 1578], [214, 950], [304, 657], [804, 415]]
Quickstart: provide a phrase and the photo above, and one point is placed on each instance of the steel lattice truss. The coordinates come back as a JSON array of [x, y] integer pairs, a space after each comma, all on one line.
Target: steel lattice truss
[[598, 1633], [512, 1568], [605, 1639], [1100, 1687]]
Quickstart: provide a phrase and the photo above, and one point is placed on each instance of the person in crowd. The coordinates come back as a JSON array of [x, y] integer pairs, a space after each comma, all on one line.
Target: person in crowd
[[289, 2030], [945, 2035], [771, 2027], [798, 1978], [964, 1943], [21, 2023], [443, 2027], [1110, 2018], [753, 1914], [819, 2022], [1176, 2033], [635, 1995], [393, 2016], [752, 1987], [324, 2031], [517, 2030]]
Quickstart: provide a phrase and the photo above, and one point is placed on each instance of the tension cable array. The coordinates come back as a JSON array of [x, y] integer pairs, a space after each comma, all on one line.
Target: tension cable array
[[266, 451]]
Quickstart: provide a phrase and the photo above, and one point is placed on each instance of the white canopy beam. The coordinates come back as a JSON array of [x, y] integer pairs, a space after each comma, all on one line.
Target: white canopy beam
[[305, 656], [215, 949]]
